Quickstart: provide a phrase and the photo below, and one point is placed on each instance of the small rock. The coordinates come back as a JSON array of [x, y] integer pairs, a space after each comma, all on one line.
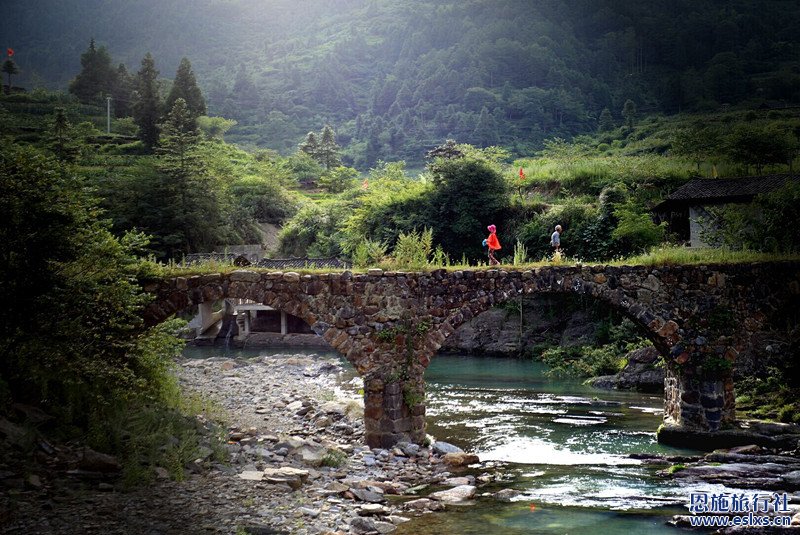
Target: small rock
[[105, 487], [460, 459], [372, 509], [796, 519], [384, 527], [408, 448], [423, 504], [34, 481], [308, 511], [505, 495], [93, 461], [161, 472], [445, 447], [367, 495], [311, 454], [397, 519], [456, 481], [362, 525], [252, 476], [454, 495]]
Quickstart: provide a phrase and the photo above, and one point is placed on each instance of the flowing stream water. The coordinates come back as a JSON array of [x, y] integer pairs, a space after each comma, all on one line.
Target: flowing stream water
[[565, 447]]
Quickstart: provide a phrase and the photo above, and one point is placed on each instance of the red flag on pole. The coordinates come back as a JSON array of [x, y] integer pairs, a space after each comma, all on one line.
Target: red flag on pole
[[521, 174], [10, 52]]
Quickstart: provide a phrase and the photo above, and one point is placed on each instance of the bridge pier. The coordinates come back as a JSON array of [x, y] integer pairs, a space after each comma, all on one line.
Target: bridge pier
[[698, 405], [391, 415], [695, 402]]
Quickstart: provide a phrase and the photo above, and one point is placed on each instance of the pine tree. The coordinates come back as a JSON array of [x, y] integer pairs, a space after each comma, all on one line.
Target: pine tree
[[629, 112], [146, 102], [185, 87], [606, 121], [97, 77], [310, 146], [122, 92], [10, 68], [179, 135], [485, 133], [61, 140], [328, 153], [190, 200]]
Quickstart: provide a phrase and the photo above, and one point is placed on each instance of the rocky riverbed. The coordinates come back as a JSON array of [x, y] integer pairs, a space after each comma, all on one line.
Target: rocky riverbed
[[296, 464]]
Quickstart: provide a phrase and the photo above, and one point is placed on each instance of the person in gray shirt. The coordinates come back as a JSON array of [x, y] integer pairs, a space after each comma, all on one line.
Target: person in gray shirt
[[555, 239]]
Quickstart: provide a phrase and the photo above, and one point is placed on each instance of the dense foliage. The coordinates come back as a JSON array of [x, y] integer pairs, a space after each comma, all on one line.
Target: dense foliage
[[510, 72], [73, 342]]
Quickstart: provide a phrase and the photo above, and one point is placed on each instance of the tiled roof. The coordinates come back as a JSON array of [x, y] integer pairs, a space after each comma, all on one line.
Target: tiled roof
[[727, 188], [318, 263]]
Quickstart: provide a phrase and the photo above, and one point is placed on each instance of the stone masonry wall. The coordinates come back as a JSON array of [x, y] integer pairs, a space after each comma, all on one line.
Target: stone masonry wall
[[390, 324]]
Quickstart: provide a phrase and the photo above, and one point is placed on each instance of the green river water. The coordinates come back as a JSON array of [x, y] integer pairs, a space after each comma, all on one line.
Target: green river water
[[564, 445]]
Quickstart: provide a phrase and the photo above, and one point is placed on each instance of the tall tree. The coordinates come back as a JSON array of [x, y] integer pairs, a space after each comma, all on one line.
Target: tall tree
[[185, 87], [97, 76], [61, 138], [629, 113], [310, 145], [468, 195], [188, 200], [122, 92], [146, 103], [10, 68], [328, 152], [606, 121], [485, 133]]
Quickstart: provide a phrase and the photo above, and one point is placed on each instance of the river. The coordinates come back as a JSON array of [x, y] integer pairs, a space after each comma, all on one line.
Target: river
[[565, 447]]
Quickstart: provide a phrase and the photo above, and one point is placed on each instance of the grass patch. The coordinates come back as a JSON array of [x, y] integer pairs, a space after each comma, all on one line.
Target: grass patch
[[694, 256], [334, 458], [662, 256], [167, 436], [676, 468]]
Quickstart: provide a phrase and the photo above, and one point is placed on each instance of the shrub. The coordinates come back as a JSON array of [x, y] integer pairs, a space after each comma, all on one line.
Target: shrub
[[369, 253], [413, 250]]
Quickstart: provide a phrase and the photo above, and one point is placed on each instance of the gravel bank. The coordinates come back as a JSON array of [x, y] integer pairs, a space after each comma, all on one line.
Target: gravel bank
[[297, 464]]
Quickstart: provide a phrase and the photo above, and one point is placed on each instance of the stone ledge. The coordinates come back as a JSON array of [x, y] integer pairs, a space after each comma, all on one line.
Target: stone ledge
[[728, 438]]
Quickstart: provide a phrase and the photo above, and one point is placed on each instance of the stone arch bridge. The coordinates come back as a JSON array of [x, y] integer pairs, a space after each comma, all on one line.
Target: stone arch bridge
[[390, 324]]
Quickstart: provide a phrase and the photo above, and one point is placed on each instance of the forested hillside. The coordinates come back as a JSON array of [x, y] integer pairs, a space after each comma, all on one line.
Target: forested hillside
[[395, 80]]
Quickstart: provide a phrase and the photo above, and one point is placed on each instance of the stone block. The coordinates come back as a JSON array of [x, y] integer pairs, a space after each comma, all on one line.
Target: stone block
[[392, 389], [244, 276]]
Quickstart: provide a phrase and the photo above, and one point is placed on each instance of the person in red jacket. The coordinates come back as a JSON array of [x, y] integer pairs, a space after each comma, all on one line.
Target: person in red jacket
[[494, 245]]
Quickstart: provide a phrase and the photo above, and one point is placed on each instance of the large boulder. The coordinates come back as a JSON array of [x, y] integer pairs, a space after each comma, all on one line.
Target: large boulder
[[641, 373]]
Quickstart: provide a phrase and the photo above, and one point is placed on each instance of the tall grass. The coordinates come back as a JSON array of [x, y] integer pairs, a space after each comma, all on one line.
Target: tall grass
[[675, 255]]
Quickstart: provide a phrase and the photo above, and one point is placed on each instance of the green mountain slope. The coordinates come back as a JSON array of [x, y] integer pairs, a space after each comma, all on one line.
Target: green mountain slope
[[396, 78]]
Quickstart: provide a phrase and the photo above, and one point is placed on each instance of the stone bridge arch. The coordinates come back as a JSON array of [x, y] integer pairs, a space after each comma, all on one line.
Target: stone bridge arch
[[390, 324]]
